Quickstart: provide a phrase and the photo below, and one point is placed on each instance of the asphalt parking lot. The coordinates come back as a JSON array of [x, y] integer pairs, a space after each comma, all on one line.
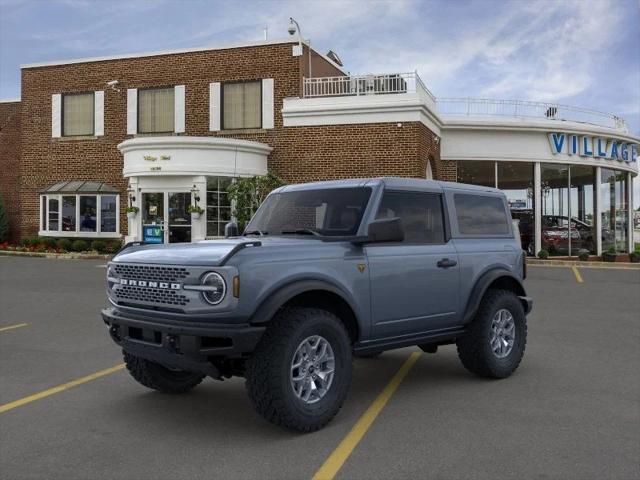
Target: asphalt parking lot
[[572, 410]]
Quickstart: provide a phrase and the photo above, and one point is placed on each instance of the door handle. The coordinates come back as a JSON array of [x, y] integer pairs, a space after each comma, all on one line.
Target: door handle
[[446, 263]]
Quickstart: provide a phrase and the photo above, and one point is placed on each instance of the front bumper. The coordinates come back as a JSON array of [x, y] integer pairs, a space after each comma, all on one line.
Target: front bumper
[[181, 345]]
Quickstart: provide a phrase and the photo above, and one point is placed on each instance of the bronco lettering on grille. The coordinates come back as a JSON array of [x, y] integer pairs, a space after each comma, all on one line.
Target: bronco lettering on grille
[[150, 284]]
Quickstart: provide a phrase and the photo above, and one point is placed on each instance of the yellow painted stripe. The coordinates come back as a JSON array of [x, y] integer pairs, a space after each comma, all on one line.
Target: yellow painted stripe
[[334, 463], [60, 388], [577, 274], [11, 327]]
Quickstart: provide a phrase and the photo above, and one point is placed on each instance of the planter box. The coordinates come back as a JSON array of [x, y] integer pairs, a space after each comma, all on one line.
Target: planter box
[[195, 216], [131, 216]]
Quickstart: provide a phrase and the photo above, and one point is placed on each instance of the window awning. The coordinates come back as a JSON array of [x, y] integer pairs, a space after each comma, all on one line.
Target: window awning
[[80, 186]]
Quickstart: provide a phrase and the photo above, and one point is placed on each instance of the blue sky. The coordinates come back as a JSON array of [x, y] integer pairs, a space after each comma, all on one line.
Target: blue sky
[[578, 52]]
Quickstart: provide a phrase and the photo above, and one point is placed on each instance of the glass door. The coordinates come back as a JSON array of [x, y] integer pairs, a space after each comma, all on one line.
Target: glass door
[[153, 215], [179, 218]]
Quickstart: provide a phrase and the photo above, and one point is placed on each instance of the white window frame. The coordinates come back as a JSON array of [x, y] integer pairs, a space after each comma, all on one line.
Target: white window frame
[[45, 232]]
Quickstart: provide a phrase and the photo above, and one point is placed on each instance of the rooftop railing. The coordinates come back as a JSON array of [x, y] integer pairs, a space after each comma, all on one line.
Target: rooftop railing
[[478, 107], [399, 83], [356, 85]]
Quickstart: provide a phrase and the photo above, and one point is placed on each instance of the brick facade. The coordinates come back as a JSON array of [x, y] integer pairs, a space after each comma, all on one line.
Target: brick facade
[[10, 163], [299, 154]]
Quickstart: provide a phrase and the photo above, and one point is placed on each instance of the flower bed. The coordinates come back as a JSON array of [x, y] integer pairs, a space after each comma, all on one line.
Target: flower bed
[[62, 245]]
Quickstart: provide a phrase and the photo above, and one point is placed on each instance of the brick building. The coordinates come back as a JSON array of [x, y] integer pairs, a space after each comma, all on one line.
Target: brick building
[[160, 131]]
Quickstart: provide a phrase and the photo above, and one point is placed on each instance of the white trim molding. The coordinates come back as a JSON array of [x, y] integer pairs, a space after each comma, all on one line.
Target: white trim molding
[[98, 112], [179, 108], [56, 115], [214, 107], [132, 111], [267, 103]]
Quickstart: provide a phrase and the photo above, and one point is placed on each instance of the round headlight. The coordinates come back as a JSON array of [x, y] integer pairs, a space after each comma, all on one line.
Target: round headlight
[[216, 288]]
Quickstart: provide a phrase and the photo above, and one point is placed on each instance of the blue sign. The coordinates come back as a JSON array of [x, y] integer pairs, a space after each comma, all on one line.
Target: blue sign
[[597, 147], [152, 234]]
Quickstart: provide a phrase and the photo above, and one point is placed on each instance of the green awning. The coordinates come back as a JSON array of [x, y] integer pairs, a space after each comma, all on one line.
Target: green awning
[[80, 186]]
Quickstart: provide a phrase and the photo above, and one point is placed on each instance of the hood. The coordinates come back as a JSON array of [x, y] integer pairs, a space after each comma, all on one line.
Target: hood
[[205, 253]]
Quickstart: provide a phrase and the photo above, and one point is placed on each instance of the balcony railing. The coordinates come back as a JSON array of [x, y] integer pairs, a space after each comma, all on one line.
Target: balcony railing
[[357, 85], [520, 108]]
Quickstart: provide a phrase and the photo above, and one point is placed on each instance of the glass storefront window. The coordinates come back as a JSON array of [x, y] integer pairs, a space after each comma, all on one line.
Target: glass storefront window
[[515, 179], [218, 205], [581, 201], [108, 213], [614, 210], [69, 213], [478, 172], [53, 214], [88, 213], [555, 208]]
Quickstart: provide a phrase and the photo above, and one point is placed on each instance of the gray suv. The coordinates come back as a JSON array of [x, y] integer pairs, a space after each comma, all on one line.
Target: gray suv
[[325, 271]]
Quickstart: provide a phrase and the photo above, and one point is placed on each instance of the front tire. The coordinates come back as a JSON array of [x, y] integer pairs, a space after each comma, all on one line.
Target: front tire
[[496, 338], [300, 372], [157, 377]]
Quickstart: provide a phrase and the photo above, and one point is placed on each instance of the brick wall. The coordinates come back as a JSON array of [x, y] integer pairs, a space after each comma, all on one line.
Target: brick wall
[[10, 162]]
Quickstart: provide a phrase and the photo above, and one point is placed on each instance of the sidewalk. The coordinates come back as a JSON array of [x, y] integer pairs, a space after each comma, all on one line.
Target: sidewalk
[[536, 262]]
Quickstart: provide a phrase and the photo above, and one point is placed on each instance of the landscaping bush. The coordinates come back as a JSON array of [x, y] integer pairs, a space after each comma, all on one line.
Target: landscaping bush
[[4, 223], [79, 246], [634, 257], [583, 254], [543, 254], [610, 255], [64, 244], [99, 246], [113, 246], [48, 242]]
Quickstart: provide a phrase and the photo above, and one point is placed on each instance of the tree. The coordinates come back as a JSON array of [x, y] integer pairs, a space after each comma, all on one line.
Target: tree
[[4, 223], [246, 195]]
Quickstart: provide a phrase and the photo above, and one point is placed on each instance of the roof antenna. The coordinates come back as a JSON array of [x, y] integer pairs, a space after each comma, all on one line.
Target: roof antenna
[[266, 32]]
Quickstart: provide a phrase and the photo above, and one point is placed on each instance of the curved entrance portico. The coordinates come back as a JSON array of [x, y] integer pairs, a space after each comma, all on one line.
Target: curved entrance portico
[[168, 173]]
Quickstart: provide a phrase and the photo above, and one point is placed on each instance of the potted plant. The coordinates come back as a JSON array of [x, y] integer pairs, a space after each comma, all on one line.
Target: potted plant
[[131, 212], [195, 211], [610, 255]]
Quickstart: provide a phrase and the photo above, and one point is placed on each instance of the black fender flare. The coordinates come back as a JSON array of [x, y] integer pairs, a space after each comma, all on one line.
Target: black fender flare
[[274, 301], [483, 284]]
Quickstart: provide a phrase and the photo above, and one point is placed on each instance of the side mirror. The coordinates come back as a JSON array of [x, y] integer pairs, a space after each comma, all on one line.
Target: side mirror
[[385, 230], [231, 229]]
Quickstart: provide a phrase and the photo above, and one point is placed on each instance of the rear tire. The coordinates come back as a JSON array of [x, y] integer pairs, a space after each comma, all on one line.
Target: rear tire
[[272, 375], [157, 377], [496, 338]]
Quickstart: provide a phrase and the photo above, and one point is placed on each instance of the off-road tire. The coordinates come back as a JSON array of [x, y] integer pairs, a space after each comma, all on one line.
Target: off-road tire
[[268, 372], [474, 349], [155, 376]]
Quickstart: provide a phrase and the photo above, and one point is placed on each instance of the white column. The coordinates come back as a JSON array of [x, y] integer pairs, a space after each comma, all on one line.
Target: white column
[[598, 211], [629, 182], [537, 200], [134, 231], [199, 227]]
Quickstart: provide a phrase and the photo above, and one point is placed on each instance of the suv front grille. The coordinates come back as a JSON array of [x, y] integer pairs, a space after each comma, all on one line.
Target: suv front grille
[[151, 272], [159, 296]]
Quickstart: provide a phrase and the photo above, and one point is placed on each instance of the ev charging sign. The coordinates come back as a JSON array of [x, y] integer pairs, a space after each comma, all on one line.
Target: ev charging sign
[[596, 147]]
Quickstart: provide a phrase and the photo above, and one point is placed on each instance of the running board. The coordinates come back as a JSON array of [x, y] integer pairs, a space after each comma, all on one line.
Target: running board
[[439, 337]]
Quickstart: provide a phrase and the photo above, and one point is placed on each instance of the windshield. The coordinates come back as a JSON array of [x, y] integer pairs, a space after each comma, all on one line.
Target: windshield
[[326, 212]]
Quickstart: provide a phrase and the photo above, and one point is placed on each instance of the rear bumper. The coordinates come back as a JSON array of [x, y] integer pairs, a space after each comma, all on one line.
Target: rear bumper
[[186, 346], [527, 304]]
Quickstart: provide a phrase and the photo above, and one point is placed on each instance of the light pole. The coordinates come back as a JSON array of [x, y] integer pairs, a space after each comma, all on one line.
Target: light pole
[[293, 28]]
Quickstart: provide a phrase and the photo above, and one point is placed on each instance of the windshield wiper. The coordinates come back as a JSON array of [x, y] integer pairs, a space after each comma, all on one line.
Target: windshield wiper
[[301, 231], [255, 232]]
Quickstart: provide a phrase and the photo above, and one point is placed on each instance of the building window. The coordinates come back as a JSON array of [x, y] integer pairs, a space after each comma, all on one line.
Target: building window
[[515, 179], [614, 210], [421, 215], [480, 215], [78, 114], [581, 204], [242, 105], [477, 172], [218, 205], [80, 215], [156, 110]]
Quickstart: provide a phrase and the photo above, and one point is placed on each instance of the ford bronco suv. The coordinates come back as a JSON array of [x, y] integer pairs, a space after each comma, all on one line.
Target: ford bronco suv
[[325, 271]]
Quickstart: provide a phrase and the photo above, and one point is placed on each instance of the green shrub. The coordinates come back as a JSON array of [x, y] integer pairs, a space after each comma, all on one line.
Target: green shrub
[[29, 242], [99, 246], [634, 257], [64, 244], [543, 254], [79, 246], [4, 223], [47, 242], [583, 254], [113, 246]]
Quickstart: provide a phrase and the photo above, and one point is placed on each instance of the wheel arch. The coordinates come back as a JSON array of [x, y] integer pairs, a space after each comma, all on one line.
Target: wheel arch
[[310, 293], [493, 279]]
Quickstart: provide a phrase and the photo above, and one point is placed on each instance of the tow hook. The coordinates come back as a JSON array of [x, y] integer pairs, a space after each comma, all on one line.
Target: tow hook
[[114, 331], [172, 343]]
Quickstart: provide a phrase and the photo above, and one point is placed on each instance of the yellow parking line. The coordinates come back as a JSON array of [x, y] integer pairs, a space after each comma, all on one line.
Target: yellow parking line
[[11, 327], [334, 463], [577, 274], [60, 388]]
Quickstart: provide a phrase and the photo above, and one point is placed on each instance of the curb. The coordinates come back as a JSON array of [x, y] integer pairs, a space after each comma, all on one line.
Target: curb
[[58, 256], [577, 263]]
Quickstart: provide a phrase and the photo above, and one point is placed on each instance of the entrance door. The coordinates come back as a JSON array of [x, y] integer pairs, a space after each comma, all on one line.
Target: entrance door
[[179, 218], [165, 218]]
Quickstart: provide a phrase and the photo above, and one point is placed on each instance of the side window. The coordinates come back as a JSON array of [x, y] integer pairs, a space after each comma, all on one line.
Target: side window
[[421, 215], [481, 215]]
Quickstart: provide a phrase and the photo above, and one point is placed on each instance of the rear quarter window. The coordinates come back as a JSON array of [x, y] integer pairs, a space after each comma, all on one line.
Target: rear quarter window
[[481, 215]]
